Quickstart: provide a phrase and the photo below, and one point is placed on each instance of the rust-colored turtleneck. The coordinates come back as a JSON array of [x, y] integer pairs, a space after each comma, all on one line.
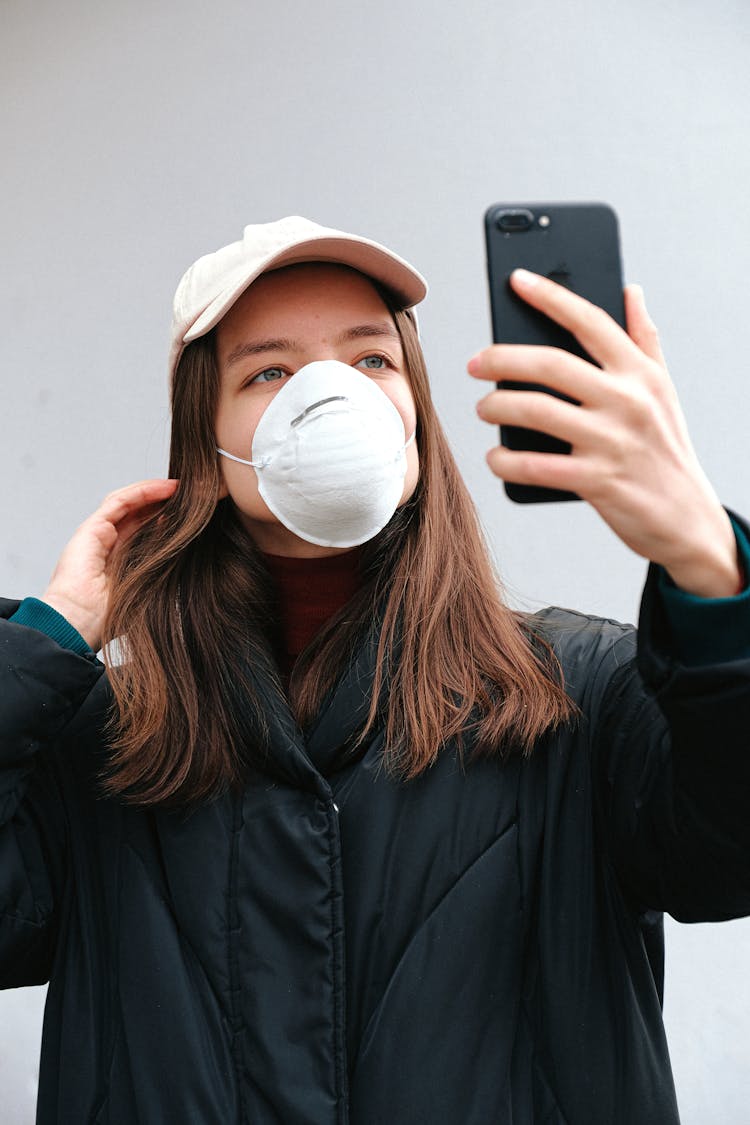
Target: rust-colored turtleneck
[[310, 592]]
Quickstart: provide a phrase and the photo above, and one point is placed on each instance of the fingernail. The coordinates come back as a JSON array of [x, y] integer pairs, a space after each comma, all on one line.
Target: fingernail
[[642, 298], [524, 277], [474, 363]]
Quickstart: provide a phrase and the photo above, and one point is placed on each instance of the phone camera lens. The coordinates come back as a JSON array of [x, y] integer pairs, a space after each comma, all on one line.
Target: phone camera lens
[[511, 222]]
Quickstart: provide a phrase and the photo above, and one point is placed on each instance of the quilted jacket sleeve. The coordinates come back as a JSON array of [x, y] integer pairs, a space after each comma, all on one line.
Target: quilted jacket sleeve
[[42, 686], [674, 769]]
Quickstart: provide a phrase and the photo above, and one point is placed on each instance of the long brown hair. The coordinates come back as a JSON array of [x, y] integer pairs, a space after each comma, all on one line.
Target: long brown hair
[[193, 606]]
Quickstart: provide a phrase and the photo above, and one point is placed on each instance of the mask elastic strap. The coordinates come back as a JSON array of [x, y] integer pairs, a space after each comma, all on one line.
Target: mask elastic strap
[[241, 460]]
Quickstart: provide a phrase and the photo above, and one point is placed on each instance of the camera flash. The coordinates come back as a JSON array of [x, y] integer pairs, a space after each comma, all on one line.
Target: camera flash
[[544, 220]]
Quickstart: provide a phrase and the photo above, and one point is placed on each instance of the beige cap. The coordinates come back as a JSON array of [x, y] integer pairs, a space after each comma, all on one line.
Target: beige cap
[[213, 283]]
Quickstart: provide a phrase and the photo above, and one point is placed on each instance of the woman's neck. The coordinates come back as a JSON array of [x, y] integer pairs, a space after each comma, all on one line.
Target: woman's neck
[[311, 591]]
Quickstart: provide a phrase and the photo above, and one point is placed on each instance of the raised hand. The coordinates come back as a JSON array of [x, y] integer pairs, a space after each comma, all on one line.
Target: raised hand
[[631, 458], [79, 586]]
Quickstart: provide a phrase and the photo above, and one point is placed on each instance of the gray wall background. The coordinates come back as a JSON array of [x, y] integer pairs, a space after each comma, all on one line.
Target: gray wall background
[[136, 136]]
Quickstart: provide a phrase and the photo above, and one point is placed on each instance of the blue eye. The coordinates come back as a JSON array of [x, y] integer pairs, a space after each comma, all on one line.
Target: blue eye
[[270, 375], [374, 362]]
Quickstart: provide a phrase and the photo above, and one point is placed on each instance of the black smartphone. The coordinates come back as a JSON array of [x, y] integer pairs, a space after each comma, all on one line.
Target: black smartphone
[[574, 244]]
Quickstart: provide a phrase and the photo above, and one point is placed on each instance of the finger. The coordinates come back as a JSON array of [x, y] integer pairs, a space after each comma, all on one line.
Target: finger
[[118, 505], [534, 410], [641, 327], [594, 329], [543, 470], [553, 367]]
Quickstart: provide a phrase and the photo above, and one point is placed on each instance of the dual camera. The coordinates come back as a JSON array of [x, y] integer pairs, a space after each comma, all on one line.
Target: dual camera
[[520, 219]]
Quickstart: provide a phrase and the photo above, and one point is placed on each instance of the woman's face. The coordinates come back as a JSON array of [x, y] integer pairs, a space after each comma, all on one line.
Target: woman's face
[[285, 320]]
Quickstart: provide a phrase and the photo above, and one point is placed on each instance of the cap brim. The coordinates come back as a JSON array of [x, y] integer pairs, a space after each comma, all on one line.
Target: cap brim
[[397, 276]]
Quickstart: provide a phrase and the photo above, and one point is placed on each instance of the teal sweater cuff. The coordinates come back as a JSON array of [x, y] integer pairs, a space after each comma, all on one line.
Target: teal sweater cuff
[[710, 630], [38, 615]]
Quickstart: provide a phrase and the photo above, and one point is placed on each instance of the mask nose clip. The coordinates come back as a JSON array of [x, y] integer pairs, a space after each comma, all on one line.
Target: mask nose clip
[[316, 406]]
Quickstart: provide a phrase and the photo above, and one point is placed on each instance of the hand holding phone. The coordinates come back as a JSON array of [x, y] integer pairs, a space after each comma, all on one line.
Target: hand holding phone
[[614, 404], [574, 244]]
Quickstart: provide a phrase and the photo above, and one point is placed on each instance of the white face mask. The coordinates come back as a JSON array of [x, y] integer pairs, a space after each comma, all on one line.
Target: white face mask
[[330, 455]]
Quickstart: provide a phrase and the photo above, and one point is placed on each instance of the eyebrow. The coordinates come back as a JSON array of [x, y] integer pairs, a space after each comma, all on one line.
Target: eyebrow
[[286, 344]]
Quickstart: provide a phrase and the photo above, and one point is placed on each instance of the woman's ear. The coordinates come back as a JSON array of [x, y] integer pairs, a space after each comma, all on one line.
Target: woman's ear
[[223, 489]]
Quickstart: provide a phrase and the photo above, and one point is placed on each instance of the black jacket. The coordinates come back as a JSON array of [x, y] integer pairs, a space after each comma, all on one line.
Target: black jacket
[[470, 948]]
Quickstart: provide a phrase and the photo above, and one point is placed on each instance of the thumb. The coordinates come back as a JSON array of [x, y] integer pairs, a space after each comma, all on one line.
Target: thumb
[[640, 326]]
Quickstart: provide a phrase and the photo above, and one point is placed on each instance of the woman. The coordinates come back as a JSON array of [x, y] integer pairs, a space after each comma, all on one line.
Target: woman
[[339, 837]]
